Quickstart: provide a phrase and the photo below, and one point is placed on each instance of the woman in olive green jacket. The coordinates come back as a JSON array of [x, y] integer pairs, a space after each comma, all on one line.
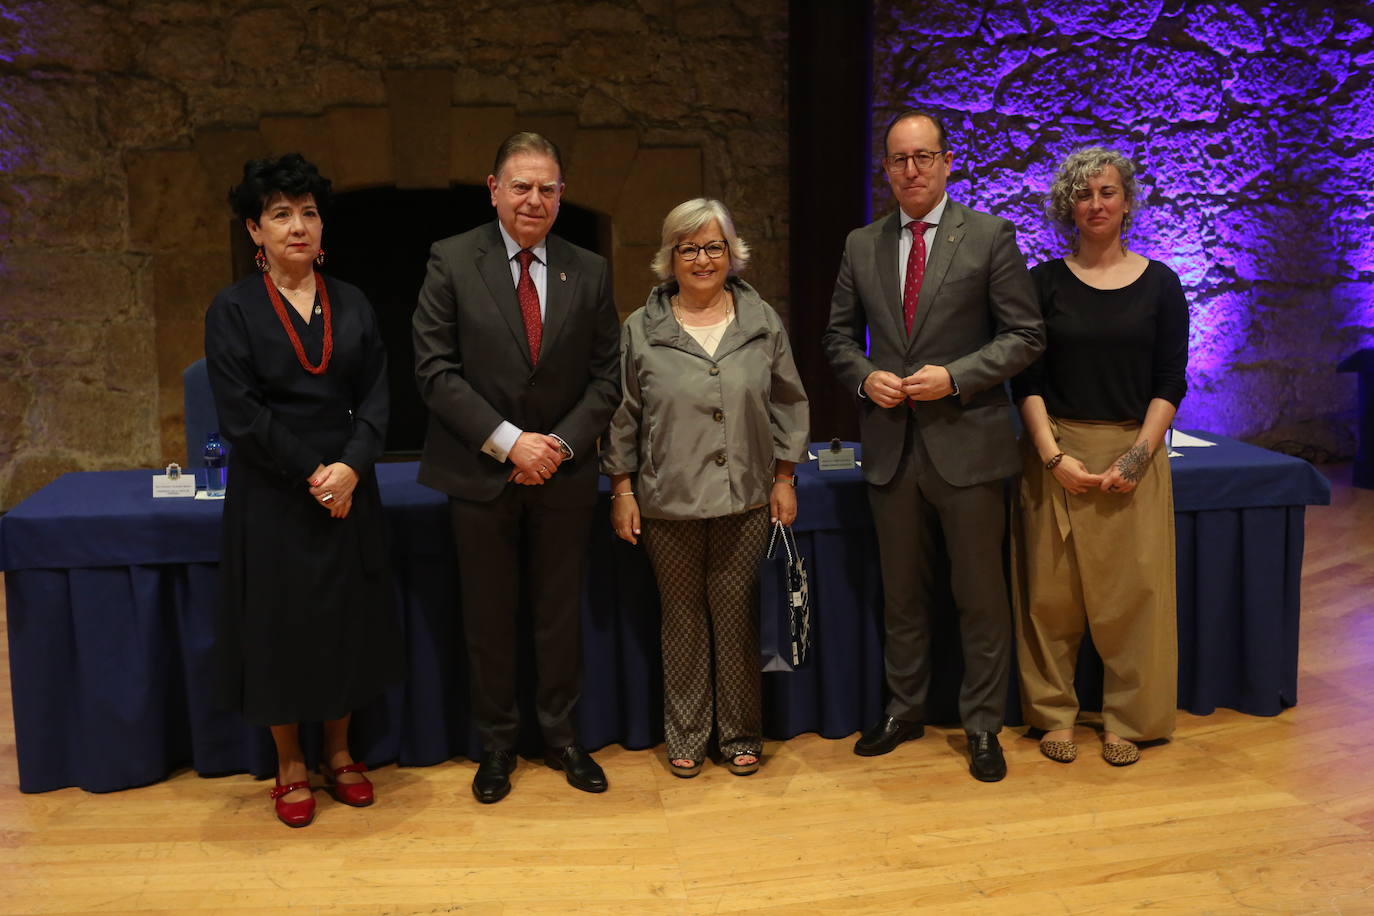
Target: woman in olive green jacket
[[701, 455]]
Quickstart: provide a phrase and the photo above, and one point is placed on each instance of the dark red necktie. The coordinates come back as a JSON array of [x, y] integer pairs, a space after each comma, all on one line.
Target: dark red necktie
[[915, 271], [529, 304]]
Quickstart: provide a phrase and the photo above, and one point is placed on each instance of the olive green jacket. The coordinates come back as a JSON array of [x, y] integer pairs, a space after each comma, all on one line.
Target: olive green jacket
[[701, 434]]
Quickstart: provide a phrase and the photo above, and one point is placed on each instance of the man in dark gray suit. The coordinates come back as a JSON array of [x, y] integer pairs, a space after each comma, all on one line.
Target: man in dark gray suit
[[943, 296], [516, 355]]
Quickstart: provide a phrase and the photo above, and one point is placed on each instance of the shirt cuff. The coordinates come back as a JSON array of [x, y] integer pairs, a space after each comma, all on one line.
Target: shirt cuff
[[501, 440], [567, 449]]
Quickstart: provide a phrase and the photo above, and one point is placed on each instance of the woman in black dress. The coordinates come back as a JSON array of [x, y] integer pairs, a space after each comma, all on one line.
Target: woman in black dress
[[306, 629]]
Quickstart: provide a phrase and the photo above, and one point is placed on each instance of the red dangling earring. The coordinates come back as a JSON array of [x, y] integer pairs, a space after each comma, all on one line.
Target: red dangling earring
[[319, 258], [260, 259]]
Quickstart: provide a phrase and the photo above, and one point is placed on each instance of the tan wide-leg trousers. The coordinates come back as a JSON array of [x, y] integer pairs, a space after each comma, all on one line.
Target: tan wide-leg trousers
[[1104, 562]]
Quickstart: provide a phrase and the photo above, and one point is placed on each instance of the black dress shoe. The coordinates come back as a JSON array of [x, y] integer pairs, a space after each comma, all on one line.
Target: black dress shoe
[[492, 782], [884, 737], [986, 762], [582, 771]]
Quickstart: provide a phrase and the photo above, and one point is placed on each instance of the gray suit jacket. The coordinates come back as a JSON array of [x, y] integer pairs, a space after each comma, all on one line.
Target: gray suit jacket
[[473, 366], [977, 316]]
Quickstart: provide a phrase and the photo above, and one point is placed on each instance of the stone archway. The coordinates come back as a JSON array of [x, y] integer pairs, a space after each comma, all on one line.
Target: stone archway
[[419, 139]]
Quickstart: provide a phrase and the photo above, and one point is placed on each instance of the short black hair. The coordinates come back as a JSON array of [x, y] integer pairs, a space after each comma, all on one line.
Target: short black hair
[[292, 175], [918, 113], [527, 141]]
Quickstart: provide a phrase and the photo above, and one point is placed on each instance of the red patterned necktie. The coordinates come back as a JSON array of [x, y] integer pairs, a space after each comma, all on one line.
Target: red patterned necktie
[[529, 304], [915, 271]]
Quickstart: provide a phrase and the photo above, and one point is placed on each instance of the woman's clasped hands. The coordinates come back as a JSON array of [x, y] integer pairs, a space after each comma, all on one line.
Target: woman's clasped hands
[[332, 487], [1123, 475]]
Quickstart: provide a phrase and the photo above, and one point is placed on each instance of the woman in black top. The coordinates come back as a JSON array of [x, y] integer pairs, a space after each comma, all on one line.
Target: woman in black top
[[306, 629], [1094, 540]]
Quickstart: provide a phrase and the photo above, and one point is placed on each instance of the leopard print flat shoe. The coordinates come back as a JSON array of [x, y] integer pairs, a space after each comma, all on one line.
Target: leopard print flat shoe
[[1120, 753], [1060, 751]]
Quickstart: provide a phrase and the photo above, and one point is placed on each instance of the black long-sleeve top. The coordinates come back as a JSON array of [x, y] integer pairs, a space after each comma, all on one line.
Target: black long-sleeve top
[[1109, 352]]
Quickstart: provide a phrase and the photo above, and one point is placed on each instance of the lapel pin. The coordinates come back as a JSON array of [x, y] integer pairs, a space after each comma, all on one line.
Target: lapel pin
[[562, 277], [951, 238]]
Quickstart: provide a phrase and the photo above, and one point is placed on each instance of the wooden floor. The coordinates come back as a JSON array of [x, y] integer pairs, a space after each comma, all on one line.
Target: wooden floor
[[1238, 813]]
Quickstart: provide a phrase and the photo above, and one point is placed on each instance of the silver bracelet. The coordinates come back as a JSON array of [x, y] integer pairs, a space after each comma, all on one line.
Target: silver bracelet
[[626, 493]]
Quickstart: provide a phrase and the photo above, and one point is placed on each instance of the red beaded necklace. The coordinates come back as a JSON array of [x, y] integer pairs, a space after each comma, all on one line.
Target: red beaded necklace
[[285, 319]]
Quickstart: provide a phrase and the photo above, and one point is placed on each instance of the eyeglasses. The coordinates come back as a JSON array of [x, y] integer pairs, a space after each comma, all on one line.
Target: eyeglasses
[[922, 159], [690, 252]]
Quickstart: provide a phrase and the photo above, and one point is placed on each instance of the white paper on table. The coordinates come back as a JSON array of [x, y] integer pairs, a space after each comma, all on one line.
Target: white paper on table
[[202, 494], [183, 486], [1173, 454], [1186, 441]]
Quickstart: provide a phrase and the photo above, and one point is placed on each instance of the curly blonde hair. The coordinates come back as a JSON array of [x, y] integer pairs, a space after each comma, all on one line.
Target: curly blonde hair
[[1072, 176]]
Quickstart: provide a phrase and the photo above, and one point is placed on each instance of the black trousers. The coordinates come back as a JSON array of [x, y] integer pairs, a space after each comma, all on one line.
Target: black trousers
[[512, 548], [909, 513]]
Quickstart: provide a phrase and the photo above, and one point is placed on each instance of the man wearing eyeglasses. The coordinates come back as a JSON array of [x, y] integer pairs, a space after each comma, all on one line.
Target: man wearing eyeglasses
[[516, 356], [942, 296]]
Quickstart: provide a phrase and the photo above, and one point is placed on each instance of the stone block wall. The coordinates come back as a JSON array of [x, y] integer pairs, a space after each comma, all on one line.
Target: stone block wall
[[122, 123], [1254, 126]]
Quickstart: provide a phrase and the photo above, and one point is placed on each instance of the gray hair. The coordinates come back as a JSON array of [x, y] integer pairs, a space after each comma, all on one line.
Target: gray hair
[[687, 218], [527, 141], [1072, 176]]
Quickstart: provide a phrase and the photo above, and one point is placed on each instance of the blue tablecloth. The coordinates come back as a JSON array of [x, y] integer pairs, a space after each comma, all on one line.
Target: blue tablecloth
[[110, 598]]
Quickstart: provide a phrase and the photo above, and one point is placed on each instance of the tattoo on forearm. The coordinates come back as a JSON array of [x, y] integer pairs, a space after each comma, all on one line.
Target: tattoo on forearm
[[1132, 465]]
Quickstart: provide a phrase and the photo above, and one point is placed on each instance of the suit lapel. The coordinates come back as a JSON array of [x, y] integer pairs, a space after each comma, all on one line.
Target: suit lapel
[[886, 270], [948, 234], [494, 267], [560, 281]]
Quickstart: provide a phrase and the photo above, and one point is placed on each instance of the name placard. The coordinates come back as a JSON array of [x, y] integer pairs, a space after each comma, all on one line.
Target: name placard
[[183, 486], [831, 459]]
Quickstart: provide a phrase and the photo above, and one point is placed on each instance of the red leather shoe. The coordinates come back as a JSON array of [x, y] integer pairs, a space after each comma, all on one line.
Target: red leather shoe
[[357, 794], [293, 814]]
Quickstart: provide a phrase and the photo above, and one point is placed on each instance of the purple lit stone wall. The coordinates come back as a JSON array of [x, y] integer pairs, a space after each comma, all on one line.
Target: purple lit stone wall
[[1254, 127]]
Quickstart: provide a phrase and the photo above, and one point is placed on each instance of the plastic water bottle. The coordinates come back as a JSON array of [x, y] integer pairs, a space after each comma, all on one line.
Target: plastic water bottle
[[216, 466]]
